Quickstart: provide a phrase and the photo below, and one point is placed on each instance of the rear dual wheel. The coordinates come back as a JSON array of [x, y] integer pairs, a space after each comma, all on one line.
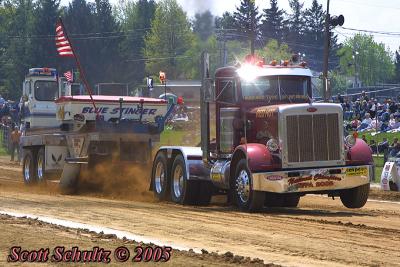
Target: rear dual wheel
[[33, 169]]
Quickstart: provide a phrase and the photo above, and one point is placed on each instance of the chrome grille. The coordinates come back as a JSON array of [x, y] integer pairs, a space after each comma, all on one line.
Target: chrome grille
[[313, 137]]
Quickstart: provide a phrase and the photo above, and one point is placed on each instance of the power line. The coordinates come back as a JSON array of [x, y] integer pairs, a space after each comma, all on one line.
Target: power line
[[372, 31]]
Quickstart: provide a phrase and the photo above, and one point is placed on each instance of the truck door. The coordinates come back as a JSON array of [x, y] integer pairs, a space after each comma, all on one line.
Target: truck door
[[227, 111]]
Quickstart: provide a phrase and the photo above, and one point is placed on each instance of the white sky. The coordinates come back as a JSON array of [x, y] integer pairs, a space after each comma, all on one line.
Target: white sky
[[376, 15]]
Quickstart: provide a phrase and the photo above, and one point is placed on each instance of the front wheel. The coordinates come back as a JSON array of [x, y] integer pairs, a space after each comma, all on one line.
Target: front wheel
[[28, 167], [246, 198], [355, 198]]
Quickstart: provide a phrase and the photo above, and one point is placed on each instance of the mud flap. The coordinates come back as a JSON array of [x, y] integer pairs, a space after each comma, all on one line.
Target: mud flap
[[69, 178]]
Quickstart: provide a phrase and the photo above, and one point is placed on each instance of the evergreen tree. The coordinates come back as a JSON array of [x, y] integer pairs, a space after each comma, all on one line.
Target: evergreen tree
[[247, 21], [79, 19], [273, 22], [314, 36], [46, 14], [295, 23], [107, 58], [225, 22], [397, 66], [170, 38], [203, 25]]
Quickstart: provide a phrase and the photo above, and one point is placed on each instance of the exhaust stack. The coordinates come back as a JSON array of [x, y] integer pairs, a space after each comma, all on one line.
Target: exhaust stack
[[205, 98]]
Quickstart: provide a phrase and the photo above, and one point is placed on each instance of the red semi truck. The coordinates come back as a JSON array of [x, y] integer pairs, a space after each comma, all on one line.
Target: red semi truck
[[272, 146]]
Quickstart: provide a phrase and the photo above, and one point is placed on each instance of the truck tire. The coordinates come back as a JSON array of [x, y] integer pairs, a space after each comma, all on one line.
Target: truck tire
[[274, 200], [40, 166], [28, 167], [183, 191], [204, 194], [355, 198], [291, 201], [247, 199], [393, 186], [160, 177]]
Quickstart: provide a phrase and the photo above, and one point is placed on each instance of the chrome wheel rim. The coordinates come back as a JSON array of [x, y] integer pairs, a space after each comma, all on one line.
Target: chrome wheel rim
[[40, 168], [243, 186], [27, 166], [159, 177], [178, 181]]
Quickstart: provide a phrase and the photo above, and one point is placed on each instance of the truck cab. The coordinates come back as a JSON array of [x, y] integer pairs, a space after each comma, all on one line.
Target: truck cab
[[40, 90]]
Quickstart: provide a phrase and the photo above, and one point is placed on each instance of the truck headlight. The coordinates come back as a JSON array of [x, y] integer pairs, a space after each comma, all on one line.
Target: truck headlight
[[350, 140], [272, 145]]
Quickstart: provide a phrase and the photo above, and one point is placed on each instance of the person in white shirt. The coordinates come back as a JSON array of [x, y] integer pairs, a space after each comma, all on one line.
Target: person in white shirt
[[366, 122]]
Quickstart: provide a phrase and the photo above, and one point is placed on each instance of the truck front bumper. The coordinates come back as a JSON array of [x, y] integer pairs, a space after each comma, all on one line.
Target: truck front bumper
[[312, 180]]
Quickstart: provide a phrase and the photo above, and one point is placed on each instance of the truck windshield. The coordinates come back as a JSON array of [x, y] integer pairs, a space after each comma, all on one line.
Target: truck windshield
[[46, 90], [276, 88]]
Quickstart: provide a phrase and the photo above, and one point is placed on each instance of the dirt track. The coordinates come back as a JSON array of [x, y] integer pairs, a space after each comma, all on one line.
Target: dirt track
[[320, 232]]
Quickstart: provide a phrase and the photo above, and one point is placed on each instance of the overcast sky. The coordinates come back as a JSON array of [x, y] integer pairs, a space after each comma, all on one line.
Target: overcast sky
[[376, 15]]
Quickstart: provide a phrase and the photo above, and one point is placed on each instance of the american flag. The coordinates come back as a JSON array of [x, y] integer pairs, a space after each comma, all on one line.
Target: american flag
[[63, 46], [69, 76]]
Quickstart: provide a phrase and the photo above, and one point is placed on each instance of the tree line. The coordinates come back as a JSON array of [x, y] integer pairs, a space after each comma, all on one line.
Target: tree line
[[126, 42]]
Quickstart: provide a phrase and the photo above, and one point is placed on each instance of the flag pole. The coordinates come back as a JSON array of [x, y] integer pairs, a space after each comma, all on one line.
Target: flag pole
[[81, 72]]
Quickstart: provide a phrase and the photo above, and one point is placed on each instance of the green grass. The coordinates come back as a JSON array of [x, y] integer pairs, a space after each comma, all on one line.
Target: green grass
[[378, 167], [379, 137], [3, 151], [172, 138]]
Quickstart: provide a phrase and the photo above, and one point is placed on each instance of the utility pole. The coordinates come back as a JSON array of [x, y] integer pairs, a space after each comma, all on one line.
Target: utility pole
[[329, 21], [326, 93]]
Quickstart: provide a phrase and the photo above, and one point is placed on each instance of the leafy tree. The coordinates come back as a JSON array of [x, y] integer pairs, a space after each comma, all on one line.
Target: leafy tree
[[203, 25], [273, 22], [372, 61], [136, 24], [18, 55], [170, 38], [338, 82], [274, 50], [247, 21]]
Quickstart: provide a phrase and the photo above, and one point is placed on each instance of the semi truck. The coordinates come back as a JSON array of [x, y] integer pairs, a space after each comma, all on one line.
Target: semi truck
[[66, 132], [273, 145]]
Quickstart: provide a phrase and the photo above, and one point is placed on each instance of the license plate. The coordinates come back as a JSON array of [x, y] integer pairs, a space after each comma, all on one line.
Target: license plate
[[357, 171]]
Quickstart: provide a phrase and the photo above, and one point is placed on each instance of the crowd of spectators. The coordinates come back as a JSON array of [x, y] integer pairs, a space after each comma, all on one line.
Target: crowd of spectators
[[363, 114]]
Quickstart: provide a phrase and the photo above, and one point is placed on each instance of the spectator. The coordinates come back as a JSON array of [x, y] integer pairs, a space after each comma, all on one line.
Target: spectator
[[366, 123], [364, 96], [383, 147], [355, 123], [395, 147], [373, 146], [15, 139], [2, 101]]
